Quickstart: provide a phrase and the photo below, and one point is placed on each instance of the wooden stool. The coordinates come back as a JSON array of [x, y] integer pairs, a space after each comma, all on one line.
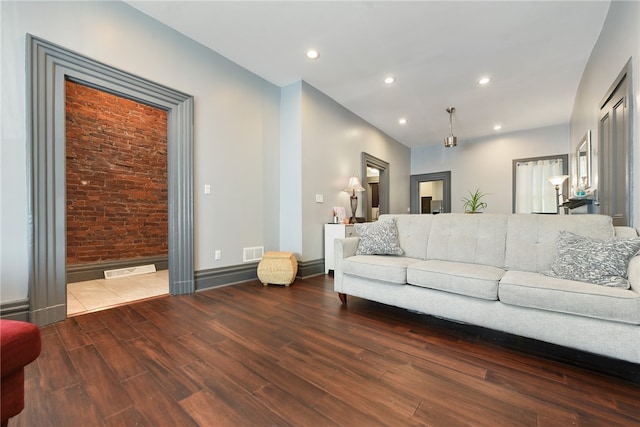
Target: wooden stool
[[277, 268]]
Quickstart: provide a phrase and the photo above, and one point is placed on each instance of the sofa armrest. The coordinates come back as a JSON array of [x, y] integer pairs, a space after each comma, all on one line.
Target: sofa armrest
[[20, 345], [621, 231], [633, 270], [342, 248], [633, 273]]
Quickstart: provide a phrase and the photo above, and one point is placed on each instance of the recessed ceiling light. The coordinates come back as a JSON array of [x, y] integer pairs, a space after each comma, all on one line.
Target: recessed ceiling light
[[402, 121], [389, 80], [484, 81], [497, 127], [312, 54]]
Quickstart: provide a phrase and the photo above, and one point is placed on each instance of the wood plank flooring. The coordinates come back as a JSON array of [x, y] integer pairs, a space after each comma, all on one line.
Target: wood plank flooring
[[248, 355]]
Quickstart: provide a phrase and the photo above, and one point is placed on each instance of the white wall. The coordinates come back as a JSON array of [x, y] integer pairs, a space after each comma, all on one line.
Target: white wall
[[618, 42], [486, 163], [291, 169], [333, 139], [263, 188], [236, 125]]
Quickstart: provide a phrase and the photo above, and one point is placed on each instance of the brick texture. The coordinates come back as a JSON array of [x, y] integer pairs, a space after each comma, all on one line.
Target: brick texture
[[116, 177]]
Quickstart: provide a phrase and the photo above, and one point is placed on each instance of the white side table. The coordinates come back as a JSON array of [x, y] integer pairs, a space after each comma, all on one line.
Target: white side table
[[332, 232]]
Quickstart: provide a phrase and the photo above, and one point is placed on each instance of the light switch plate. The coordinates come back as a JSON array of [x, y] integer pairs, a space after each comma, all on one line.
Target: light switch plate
[[319, 198]]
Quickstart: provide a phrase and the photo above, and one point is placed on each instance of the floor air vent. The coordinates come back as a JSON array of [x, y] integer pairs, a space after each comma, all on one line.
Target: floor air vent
[[130, 271], [252, 254]]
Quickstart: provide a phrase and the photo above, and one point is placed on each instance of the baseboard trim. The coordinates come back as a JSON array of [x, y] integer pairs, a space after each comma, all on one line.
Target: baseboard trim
[[95, 270], [310, 268], [15, 310], [224, 276]]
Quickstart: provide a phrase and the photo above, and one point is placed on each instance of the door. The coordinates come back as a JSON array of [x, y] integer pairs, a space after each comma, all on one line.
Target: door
[[426, 205], [615, 155]]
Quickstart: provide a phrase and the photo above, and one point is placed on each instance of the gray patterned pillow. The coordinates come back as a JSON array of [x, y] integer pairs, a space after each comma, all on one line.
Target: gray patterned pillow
[[378, 238], [602, 262]]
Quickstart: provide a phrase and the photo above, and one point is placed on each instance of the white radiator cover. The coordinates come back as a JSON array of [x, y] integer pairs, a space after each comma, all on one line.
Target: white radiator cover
[[129, 271]]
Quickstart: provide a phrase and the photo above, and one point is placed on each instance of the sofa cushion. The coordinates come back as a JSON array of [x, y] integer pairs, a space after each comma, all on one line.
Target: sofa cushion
[[474, 280], [389, 268], [531, 239], [534, 290], [413, 233], [475, 239], [378, 238], [597, 261]]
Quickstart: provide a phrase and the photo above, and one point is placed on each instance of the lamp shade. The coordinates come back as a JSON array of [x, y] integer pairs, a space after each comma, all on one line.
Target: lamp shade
[[557, 179], [451, 141], [354, 185]]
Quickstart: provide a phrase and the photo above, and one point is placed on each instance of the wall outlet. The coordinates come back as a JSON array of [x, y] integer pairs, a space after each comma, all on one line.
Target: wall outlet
[[218, 255], [207, 189]]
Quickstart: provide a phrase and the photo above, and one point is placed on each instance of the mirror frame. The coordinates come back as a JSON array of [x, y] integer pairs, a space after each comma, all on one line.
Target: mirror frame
[[584, 146]]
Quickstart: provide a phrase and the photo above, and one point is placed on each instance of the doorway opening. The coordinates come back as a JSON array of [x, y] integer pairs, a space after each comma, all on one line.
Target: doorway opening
[[373, 193], [431, 197], [116, 199], [49, 66], [430, 193], [375, 171]]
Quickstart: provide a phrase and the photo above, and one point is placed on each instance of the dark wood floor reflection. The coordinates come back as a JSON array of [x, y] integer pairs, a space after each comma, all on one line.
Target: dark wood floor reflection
[[248, 355]]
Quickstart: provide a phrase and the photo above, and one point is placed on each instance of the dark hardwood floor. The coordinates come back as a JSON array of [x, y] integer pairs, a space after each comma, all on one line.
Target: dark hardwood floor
[[248, 355]]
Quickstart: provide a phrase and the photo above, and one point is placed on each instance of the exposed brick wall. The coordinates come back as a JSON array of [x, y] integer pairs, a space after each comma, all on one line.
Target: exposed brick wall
[[116, 177]]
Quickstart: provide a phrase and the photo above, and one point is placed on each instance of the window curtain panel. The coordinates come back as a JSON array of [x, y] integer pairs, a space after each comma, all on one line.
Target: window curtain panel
[[534, 193]]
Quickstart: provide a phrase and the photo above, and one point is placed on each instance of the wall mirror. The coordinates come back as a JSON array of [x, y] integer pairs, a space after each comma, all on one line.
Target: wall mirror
[[583, 161], [532, 192], [430, 193]]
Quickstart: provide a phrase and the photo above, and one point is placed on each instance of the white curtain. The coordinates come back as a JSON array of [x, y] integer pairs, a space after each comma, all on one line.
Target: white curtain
[[534, 194]]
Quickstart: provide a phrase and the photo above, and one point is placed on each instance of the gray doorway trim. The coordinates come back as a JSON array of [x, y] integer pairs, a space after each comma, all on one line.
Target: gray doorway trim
[[383, 192], [49, 66], [414, 188]]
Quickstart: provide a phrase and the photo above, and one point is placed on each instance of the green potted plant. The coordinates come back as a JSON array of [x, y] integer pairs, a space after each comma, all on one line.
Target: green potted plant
[[474, 203]]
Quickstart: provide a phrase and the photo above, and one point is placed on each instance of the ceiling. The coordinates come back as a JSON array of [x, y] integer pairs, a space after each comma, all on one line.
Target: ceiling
[[533, 51]]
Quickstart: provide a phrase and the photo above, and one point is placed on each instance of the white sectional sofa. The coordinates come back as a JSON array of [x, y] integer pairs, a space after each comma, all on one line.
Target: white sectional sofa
[[487, 270]]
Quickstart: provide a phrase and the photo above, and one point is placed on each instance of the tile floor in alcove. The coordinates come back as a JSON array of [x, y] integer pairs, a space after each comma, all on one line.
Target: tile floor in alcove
[[93, 295]]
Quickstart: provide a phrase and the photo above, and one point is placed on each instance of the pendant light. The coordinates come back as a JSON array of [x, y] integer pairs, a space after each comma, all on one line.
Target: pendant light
[[450, 141]]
